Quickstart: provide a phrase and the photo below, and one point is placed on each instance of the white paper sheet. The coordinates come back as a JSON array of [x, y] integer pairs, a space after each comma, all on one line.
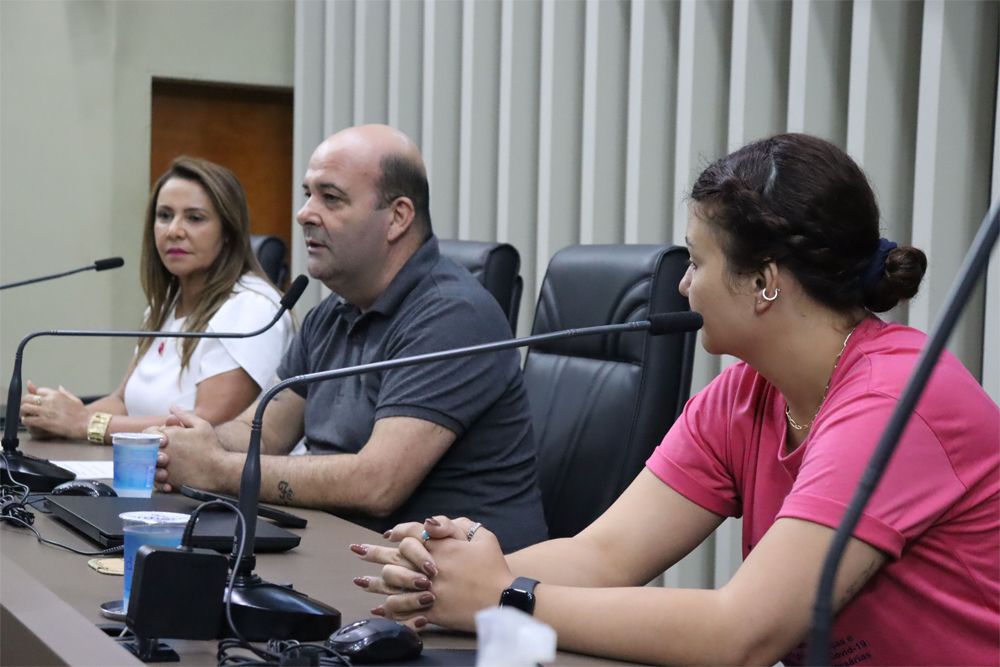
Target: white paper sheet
[[89, 469]]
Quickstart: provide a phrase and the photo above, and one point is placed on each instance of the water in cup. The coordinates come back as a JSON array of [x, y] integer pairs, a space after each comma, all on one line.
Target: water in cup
[[134, 463], [161, 529]]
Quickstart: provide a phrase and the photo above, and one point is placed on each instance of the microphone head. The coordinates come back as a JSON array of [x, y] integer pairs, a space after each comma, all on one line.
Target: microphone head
[[295, 291], [667, 323], [108, 263]]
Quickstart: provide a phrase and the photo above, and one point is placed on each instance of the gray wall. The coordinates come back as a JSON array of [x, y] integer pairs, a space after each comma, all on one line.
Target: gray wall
[[75, 84]]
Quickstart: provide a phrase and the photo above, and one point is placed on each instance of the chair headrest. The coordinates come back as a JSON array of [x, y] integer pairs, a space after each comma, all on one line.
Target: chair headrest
[[264, 242], [590, 285], [476, 256]]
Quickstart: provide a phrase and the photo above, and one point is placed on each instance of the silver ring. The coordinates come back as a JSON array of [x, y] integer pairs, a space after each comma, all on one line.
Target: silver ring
[[38, 399], [472, 530], [424, 536]]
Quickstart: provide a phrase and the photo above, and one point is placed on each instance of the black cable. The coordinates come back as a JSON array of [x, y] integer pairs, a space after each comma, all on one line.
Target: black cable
[[241, 537], [26, 490], [281, 652], [27, 524], [33, 503], [13, 510], [276, 653], [264, 656]]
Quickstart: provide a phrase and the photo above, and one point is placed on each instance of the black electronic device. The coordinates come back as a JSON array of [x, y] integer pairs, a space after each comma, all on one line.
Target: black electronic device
[[84, 487], [280, 517], [375, 640], [176, 593], [41, 475], [99, 265], [520, 595], [97, 518]]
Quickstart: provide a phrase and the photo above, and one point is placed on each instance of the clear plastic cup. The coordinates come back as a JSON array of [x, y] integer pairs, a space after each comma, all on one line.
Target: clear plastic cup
[[134, 463], [160, 529]]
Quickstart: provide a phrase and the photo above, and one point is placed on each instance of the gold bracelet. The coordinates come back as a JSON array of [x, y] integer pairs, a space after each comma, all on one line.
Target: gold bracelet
[[97, 427]]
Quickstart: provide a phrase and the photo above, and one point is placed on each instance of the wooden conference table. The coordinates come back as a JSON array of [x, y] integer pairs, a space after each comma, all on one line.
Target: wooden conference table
[[50, 596]]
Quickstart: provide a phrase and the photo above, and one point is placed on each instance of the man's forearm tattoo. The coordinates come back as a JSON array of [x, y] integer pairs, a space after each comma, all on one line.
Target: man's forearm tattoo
[[285, 493]]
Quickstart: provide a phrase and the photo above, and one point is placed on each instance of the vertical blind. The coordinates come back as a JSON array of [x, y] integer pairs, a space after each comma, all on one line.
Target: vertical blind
[[555, 122]]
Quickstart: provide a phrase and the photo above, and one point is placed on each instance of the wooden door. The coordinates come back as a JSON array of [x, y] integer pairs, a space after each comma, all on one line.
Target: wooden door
[[245, 128]]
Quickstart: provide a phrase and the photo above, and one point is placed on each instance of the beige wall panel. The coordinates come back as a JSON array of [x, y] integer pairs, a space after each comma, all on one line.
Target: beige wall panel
[[652, 114], [406, 39], [605, 95], [952, 167], [882, 110], [517, 149], [819, 68], [758, 75], [477, 198]]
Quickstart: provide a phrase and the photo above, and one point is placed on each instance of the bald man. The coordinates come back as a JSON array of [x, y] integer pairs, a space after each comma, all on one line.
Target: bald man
[[452, 437]]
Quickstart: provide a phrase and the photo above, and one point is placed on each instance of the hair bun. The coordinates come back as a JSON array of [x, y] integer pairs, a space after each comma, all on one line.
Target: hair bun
[[904, 269]]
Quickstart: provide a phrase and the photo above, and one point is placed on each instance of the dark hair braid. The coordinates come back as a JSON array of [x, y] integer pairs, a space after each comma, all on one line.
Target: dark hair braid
[[803, 203]]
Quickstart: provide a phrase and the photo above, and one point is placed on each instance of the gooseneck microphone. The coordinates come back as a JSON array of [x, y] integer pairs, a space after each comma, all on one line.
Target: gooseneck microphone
[[268, 611], [41, 475], [973, 266], [99, 265]]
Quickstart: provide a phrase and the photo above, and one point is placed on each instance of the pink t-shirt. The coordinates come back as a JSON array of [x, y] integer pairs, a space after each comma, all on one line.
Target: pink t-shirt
[[935, 513]]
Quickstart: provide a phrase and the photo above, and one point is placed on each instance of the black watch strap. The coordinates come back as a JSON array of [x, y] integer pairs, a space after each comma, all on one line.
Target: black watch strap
[[520, 595]]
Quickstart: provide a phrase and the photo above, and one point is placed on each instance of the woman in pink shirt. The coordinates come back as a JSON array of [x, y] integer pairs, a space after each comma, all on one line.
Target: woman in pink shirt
[[788, 269]]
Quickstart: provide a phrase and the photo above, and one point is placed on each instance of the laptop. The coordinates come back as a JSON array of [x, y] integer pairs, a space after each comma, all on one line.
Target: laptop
[[97, 518]]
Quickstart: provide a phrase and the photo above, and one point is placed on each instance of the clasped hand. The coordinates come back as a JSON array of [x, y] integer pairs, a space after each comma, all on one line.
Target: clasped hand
[[443, 579], [53, 413], [189, 454]]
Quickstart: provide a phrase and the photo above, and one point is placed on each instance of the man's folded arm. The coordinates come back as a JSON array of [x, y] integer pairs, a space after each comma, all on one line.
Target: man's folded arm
[[376, 481]]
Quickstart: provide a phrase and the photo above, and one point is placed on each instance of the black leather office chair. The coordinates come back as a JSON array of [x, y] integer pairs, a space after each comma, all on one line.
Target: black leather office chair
[[270, 252], [496, 265], [601, 404]]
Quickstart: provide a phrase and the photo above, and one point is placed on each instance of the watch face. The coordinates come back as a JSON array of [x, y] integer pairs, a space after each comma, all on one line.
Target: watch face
[[520, 595]]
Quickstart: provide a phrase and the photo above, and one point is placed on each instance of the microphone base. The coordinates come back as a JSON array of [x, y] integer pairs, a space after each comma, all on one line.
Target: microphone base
[[37, 474], [263, 611]]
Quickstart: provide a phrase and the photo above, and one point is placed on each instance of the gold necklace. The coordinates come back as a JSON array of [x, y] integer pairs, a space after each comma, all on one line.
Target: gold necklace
[[788, 412]]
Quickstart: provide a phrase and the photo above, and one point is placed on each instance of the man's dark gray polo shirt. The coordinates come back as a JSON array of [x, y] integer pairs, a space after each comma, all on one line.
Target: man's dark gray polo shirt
[[489, 472]]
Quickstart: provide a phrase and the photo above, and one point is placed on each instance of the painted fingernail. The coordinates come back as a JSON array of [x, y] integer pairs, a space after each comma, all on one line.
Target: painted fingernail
[[426, 599], [422, 584], [430, 569], [387, 534], [378, 611], [359, 549], [420, 621], [361, 581], [432, 521]]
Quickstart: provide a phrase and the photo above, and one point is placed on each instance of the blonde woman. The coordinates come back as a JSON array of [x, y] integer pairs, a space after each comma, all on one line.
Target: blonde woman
[[199, 274]]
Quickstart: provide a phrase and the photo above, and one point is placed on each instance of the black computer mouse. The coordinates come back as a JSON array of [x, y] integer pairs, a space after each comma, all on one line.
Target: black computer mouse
[[372, 640], [83, 487]]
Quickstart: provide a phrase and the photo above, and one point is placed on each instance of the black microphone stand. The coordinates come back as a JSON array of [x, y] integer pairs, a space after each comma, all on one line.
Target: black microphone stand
[[975, 264], [41, 475], [267, 611], [99, 265]]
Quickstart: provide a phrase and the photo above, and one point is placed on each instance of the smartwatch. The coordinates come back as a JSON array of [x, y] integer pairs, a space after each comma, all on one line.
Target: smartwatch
[[520, 595]]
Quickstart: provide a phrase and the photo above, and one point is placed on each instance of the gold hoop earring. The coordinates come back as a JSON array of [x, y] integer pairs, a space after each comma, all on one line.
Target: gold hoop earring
[[763, 294]]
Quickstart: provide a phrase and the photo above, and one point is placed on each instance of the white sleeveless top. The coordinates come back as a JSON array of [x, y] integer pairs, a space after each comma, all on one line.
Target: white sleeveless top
[[157, 381]]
